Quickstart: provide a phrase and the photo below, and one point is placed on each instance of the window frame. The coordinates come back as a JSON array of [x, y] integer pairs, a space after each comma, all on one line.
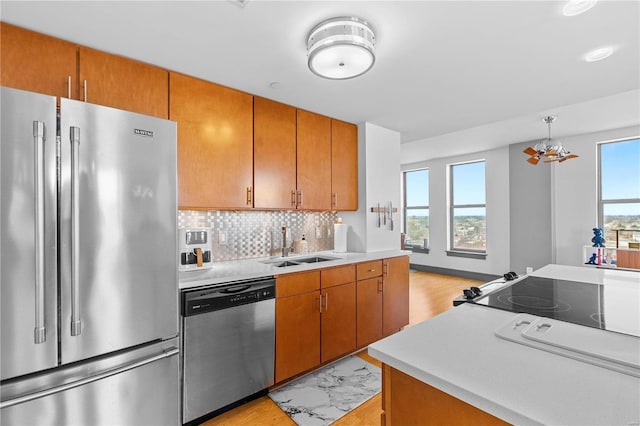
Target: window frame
[[405, 208], [464, 252], [601, 202]]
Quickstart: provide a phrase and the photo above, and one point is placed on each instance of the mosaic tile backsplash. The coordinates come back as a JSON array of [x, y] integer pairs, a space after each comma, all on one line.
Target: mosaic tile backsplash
[[251, 234]]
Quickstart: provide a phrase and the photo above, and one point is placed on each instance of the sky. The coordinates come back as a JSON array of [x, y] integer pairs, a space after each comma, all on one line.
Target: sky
[[620, 174]]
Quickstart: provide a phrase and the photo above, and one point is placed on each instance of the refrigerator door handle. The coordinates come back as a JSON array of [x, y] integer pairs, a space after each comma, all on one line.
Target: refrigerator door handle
[[108, 373], [76, 323], [40, 330]]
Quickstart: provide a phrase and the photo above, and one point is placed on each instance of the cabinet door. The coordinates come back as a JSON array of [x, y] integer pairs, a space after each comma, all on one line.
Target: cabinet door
[[314, 161], [36, 62], [369, 311], [395, 304], [297, 334], [123, 83], [338, 321], [215, 144], [344, 166], [274, 151]]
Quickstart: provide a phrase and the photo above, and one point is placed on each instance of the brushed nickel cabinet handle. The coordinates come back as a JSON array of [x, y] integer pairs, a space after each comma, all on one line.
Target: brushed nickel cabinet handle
[[300, 198], [85, 91], [293, 199]]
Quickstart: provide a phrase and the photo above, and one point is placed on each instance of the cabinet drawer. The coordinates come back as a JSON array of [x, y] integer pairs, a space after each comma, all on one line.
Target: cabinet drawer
[[369, 269], [336, 276], [290, 284]]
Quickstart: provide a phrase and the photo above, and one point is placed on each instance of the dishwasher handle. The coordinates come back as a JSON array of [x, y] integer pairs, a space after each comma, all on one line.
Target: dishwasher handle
[[231, 290]]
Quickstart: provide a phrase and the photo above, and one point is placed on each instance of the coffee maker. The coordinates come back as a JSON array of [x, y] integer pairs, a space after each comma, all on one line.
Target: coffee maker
[[194, 248]]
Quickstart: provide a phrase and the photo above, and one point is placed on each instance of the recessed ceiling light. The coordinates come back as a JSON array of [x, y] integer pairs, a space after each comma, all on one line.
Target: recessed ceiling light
[[576, 7], [598, 54]]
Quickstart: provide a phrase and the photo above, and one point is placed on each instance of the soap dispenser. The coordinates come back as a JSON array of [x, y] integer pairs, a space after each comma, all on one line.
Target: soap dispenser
[[304, 245]]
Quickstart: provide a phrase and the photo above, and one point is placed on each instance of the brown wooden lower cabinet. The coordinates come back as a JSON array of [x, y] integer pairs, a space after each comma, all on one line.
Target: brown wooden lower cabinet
[[324, 314], [338, 321], [297, 334], [408, 401], [395, 294], [369, 302]]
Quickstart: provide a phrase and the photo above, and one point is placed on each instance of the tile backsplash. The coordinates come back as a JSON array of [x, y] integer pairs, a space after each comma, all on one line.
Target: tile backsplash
[[251, 234]]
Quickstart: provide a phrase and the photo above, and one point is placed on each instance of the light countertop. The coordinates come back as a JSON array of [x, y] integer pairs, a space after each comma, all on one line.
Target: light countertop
[[222, 272], [458, 353]]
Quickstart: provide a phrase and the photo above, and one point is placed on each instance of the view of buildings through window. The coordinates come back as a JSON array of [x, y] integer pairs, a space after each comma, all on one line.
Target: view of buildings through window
[[468, 219], [416, 208], [619, 200]]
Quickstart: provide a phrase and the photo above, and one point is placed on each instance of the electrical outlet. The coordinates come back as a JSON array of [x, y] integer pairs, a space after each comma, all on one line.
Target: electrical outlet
[[222, 238]]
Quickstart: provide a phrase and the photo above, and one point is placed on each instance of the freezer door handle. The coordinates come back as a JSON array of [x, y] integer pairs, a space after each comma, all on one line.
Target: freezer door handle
[[108, 373], [76, 323], [40, 330]]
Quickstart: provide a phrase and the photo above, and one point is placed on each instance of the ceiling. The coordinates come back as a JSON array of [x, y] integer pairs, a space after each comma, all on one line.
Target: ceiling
[[477, 74]]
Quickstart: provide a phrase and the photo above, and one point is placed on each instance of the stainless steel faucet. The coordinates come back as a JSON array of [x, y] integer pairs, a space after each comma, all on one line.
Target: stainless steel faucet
[[285, 249]]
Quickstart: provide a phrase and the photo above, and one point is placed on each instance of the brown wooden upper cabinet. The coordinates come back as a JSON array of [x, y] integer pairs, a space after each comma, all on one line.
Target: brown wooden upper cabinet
[[274, 154], [344, 166], [314, 161], [215, 144], [123, 83], [37, 63]]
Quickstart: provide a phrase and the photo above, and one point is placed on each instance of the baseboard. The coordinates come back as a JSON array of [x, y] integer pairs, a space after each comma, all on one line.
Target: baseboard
[[455, 272]]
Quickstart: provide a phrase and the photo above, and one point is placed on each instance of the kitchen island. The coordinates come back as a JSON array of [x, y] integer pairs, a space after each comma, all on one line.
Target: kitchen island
[[460, 360]]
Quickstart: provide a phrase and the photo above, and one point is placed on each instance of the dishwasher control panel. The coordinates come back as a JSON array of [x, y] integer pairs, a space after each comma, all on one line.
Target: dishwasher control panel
[[227, 295]]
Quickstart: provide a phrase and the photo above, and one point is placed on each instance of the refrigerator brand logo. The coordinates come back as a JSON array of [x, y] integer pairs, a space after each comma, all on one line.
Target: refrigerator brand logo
[[141, 132]]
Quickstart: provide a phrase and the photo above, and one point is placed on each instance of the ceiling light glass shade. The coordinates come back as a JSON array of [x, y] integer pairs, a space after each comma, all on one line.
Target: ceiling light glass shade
[[341, 48], [576, 7], [598, 54]]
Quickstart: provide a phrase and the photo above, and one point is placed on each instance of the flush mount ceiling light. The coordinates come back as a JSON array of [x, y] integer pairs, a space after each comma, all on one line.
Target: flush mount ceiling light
[[549, 149], [576, 7], [341, 48]]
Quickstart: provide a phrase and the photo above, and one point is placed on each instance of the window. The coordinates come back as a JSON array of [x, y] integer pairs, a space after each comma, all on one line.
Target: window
[[619, 198], [416, 208], [467, 211]]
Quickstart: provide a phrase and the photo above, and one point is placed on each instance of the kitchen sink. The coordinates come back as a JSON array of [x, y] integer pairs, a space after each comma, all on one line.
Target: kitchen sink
[[315, 259], [299, 261], [285, 263]]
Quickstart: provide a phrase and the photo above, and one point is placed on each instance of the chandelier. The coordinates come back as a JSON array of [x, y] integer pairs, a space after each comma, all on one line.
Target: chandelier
[[549, 149]]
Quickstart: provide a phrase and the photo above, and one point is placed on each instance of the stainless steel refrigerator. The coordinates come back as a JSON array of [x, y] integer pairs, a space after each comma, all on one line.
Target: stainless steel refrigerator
[[88, 286]]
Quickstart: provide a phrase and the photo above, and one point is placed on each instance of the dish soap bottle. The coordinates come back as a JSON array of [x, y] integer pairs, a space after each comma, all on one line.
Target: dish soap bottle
[[304, 245]]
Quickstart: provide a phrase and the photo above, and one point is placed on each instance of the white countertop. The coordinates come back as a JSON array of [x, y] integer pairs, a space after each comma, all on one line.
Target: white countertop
[[255, 268], [458, 353]]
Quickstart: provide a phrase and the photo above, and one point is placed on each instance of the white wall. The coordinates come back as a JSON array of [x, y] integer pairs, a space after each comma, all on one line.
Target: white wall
[[572, 193], [378, 182], [497, 192], [575, 194]]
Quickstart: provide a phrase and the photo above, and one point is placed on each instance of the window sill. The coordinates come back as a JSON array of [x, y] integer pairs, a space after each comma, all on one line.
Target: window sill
[[417, 249], [467, 254]]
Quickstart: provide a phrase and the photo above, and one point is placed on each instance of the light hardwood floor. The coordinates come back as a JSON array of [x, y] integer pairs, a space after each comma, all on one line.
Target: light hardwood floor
[[429, 295]]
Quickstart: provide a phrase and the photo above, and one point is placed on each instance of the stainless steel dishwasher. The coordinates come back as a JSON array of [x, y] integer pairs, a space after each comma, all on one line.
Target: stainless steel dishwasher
[[228, 345]]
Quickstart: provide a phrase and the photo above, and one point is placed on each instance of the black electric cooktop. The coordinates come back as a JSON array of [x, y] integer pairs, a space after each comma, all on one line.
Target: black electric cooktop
[[581, 303]]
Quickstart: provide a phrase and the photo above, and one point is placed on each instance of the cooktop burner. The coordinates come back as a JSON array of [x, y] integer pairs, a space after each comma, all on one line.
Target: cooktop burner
[[570, 301]]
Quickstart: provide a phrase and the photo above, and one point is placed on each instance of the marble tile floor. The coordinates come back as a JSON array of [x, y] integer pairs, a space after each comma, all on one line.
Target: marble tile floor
[[324, 396]]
